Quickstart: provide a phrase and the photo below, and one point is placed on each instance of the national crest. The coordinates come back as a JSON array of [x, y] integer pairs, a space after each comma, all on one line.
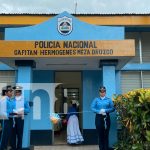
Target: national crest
[[64, 25]]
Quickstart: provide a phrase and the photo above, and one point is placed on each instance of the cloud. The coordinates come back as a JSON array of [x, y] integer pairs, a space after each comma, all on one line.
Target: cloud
[[83, 6], [115, 6]]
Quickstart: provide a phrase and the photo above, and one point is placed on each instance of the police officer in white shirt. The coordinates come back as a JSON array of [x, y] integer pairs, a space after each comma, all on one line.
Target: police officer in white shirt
[[21, 108]]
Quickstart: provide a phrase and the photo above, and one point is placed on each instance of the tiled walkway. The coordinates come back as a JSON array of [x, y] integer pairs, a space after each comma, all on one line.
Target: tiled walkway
[[67, 147]]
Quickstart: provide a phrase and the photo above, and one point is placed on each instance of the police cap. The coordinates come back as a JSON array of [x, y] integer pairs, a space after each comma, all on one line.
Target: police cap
[[102, 89], [17, 88]]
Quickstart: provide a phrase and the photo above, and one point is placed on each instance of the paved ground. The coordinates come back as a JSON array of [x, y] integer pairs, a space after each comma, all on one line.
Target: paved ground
[[67, 147]]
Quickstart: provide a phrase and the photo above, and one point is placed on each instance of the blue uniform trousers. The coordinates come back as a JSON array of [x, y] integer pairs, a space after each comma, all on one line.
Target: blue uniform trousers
[[17, 134], [102, 124], [7, 125]]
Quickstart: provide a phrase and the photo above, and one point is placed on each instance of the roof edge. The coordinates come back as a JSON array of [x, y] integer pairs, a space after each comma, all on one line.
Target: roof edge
[[81, 14]]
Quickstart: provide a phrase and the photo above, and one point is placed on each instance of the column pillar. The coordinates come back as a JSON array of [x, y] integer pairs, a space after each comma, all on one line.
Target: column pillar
[[24, 78]]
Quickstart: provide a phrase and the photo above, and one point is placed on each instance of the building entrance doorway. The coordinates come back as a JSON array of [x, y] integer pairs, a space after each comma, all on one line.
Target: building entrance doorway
[[70, 88]]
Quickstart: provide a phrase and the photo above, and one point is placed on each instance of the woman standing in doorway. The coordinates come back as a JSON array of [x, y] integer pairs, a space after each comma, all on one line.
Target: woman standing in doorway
[[102, 106], [73, 132]]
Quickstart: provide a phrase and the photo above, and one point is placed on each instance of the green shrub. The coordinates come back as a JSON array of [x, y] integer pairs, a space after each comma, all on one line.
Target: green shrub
[[133, 109]]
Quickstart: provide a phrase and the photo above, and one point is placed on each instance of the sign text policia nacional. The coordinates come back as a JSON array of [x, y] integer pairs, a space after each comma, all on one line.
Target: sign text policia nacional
[[67, 48]]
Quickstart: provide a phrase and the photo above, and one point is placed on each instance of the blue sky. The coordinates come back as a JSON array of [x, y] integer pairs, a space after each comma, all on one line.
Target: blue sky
[[83, 6]]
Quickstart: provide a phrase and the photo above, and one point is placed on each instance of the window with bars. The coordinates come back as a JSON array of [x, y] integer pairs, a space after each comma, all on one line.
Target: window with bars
[[7, 77]]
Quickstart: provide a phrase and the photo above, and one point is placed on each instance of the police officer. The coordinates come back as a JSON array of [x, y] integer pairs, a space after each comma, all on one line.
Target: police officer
[[1, 109], [102, 106], [21, 108], [6, 106]]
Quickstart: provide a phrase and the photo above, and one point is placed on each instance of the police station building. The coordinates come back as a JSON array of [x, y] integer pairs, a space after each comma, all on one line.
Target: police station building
[[72, 55]]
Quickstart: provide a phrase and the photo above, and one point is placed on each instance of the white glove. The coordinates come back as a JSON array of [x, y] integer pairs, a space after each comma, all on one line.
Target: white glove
[[20, 111], [15, 111], [102, 112]]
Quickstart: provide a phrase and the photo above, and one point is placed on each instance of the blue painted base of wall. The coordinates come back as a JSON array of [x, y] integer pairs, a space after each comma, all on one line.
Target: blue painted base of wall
[[29, 148], [41, 137], [90, 137], [26, 149]]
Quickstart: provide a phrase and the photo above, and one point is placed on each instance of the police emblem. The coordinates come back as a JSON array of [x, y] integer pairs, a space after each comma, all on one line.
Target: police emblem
[[64, 25]]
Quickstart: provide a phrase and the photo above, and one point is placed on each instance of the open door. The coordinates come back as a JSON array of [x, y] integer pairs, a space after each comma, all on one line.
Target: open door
[[70, 89]]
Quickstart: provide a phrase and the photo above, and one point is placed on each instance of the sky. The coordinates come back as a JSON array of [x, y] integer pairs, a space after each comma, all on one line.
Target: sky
[[83, 6]]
